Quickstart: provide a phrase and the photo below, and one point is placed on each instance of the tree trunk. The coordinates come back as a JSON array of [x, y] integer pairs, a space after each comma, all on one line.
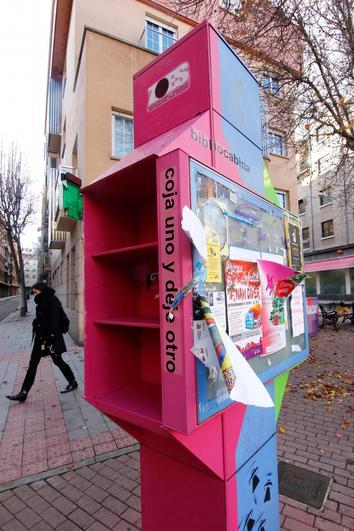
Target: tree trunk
[[22, 282]]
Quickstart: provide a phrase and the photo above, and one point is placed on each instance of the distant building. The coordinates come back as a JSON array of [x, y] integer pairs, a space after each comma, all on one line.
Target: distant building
[[326, 207], [8, 279], [30, 264]]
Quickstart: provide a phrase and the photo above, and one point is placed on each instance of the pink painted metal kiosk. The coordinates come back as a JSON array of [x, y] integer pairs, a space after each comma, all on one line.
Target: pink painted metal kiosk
[[207, 463]]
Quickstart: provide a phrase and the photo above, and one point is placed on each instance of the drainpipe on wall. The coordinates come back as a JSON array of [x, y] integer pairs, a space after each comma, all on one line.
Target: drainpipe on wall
[[311, 200]]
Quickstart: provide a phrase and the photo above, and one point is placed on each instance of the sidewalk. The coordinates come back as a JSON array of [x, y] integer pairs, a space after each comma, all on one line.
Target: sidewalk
[[49, 430], [315, 431]]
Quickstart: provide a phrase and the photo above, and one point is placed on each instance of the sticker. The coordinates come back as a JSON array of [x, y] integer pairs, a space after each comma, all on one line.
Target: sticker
[[213, 263]]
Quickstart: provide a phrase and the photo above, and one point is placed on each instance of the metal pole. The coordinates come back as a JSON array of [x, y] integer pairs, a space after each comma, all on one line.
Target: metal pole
[[346, 211], [312, 217]]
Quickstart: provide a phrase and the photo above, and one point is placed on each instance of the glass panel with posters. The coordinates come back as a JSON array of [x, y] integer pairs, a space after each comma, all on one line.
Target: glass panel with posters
[[242, 228]]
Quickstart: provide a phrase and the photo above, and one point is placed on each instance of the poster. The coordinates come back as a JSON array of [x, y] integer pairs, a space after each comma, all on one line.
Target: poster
[[297, 312], [243, 298], [293, 243], [213, 262], [203, 348], [274, 336], [218, 307]]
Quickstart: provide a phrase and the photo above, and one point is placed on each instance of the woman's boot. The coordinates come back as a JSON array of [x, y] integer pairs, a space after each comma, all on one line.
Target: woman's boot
[[20, 397]]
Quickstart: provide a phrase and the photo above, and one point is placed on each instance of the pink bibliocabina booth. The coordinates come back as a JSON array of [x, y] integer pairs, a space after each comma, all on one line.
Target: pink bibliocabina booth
[[195, 309]]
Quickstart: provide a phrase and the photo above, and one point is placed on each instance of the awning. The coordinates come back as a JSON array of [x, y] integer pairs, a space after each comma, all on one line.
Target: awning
[[327, 265]]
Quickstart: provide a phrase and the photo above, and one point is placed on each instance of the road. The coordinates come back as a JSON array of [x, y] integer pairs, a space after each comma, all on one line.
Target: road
[[8, 305]]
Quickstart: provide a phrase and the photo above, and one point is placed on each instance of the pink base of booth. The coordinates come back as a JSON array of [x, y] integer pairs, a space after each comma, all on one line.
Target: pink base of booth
[[197, 501]]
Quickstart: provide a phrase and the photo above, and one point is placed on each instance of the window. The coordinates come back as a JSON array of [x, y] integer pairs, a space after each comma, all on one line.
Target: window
[[306, 238], [325, 197], [122, 135], [271, 85], [327, 228], [332, 282], [74, 154], [230, 5], [301, 204], [310, 284], [282, 198], [351, 273], [158, 37], [276, 144], [319, 167]]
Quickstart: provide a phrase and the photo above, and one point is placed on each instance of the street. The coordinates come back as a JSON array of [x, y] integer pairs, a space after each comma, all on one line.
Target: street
[[8, 305], [65, 466]]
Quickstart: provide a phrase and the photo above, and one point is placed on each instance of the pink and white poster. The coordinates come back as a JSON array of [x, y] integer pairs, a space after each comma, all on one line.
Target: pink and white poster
[[243, 298], [274, 327]]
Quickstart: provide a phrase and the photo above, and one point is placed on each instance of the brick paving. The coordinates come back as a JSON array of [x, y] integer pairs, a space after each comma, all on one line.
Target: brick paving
[[49, 430], [315, 430], [318, 431], [97, 497]]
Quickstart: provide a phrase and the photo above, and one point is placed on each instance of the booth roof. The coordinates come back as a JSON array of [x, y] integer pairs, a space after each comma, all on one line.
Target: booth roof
[[159, 146], [330, 264]]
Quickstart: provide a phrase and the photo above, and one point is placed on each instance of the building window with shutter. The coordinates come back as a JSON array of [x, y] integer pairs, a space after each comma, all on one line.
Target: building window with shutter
[[271, 85], [301, 204], [122, 135], [230, 5], [325, 196], [276, 144], [283, 199], [159, 37], [306, 238], [327, 228]]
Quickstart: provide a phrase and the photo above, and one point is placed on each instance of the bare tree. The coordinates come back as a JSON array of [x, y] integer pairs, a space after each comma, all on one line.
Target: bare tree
[[309, 46], [16, 209]]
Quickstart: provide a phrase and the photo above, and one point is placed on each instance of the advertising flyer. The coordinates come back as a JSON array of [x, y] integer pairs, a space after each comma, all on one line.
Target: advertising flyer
[[243, 298], [274, 327], [293, 243], [217, 305], [213, 262], [297, 312], [203, 348]]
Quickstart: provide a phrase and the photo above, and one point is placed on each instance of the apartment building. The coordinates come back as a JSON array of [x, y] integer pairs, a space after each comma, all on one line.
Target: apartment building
[[95, 50], [30, 264], [326, 206], [8, 284]]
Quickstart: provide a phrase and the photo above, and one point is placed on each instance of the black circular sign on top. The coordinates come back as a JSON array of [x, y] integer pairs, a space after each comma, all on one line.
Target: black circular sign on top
[[161, 87]]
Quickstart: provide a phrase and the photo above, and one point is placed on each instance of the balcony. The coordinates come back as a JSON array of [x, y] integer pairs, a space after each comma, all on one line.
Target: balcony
[[57, 239], [54, 115], [69, 210]]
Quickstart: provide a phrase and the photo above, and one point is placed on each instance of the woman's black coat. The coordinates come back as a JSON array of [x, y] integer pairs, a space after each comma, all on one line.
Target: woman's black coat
[[46, 325]]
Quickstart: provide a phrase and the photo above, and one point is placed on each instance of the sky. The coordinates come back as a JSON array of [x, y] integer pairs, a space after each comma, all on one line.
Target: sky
[[24, 49]]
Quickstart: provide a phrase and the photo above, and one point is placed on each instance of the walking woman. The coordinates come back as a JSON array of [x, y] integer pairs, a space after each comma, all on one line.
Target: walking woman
[[48, 339]]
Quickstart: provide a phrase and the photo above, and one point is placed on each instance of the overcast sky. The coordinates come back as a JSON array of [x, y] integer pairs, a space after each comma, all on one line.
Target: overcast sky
[[24, 43]]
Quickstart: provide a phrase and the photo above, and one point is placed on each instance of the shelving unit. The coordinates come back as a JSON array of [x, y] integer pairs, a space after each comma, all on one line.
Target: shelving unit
[[123, 374], [138, 365]]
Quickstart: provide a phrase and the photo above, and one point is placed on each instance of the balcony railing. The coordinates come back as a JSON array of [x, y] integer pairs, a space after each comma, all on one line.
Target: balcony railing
[[57, 239], [54, 115]]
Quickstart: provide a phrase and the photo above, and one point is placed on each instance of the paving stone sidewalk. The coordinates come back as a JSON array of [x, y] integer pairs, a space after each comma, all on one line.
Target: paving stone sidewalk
[[97, 497], [315, 430], [49, 430]]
